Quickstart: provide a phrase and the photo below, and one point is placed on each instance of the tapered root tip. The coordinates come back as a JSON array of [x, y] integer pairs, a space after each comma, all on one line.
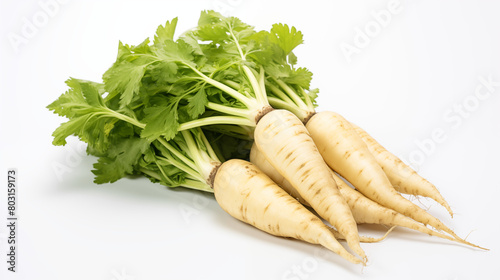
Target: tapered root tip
[[465, 242], [338, 249], [440, 199], [356, 247], [447, 207], [460, 240]]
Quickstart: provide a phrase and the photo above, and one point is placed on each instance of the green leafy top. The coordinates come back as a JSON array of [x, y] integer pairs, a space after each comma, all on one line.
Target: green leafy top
[[89, 117], [145, 116], [176, 81], [114, 136], [288, 86]]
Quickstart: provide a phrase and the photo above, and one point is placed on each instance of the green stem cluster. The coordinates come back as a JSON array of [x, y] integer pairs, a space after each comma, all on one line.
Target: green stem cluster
[[147, 115]]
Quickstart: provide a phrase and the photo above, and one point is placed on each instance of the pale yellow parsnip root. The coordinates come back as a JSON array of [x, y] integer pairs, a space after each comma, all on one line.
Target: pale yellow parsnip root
[[287, 145], [402, 177], [261, 162], [345, 152], [364, 210], [247, 194], [364, 239], [258, 159], [367, 211]]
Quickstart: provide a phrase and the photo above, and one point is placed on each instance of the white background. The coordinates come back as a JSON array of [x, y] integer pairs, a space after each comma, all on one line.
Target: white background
[[404, 83]]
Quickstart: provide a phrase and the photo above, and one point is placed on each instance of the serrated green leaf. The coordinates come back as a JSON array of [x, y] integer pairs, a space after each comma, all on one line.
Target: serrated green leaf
[[295, 76], [165, 32], [120, 160], [196, 103], [89, 118], [124, 79], [313, 95], [71, 127], [292, 58], [163, 72], [287, 38], [171, 51], [300, 76], [190, 39], [142, 48], [92, 95], [160, 121]]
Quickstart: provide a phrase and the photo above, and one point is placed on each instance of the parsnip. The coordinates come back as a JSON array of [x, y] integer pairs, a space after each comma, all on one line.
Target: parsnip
[[286, 144], [247, 194], [345, 152], [364, 239], [364, 210], [402, 177]]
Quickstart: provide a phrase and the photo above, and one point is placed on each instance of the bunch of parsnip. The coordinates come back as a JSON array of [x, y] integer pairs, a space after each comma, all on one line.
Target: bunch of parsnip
[[223, 108]]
